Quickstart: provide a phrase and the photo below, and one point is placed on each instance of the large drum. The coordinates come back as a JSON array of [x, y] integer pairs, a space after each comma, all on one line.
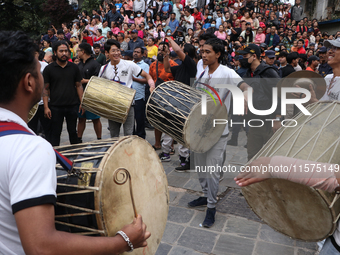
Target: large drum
[[293, 209], [98, 202], [175, 109], [108, 99]]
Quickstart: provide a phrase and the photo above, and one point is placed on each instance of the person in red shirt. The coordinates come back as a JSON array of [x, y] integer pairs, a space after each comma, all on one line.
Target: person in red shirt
[[85, 36], [197, 15], [300, 48], [313, 62]]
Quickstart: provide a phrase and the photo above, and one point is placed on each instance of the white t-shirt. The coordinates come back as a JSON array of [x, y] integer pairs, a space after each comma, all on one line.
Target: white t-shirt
[[222, 75], [42, 67], [191, 19], [27, 178], [332, 88], [125, 71], [200, 68]]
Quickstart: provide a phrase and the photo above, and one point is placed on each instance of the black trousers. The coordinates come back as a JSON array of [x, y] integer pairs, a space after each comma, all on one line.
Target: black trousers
[[45, 123], [140, 118], [58, 115]]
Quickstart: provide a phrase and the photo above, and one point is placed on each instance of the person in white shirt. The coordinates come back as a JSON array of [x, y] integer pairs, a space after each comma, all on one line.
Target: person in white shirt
[[189, 20], [28, 174], [214, 74], [122, 71]]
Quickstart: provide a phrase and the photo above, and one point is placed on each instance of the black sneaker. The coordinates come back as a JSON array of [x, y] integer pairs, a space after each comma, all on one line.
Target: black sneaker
[[209, 218], [201, 201], [164, 157], [183, 168]]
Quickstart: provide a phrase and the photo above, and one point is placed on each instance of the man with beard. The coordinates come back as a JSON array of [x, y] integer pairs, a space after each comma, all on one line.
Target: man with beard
[[164, 76], [63, 87], [88, 67]]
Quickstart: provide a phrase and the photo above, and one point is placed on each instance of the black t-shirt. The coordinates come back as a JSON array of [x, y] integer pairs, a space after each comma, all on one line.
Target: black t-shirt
[[184, 72], [62, 83], [287, 70], [234, 37], [88, 69]]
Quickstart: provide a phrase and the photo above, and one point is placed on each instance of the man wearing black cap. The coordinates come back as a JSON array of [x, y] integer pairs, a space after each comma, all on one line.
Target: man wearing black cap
[[313, 62], [135, 41], [270, 59], [324, 67], [266, 79]]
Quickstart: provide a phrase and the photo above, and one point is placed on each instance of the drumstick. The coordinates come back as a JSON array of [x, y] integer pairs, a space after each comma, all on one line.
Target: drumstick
[[126, 175]]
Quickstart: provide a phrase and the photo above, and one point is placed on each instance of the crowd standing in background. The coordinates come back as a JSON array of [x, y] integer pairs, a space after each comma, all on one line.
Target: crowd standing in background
[[140, 44]]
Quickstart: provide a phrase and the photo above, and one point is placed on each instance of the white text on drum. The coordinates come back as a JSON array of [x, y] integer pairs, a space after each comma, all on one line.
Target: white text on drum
[[238, 100], [306, 168]]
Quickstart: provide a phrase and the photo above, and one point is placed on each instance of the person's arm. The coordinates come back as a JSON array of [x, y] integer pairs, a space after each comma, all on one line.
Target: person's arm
[[80, 92], [177, 49], [149, 80], [46, 95], [38, 235]]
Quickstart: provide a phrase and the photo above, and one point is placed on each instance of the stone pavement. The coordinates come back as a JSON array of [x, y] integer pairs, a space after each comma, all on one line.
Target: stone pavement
[[237, 230]]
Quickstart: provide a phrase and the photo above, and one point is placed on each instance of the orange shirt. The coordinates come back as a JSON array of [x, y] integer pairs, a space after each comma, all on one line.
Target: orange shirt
[[310, 69], [161, 71]]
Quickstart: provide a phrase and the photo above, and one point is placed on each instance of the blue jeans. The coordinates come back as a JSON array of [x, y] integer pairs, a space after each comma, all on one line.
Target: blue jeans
[[328, 248]]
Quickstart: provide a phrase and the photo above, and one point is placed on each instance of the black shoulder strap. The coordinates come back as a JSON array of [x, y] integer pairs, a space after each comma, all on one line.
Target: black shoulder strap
[[157, 69]]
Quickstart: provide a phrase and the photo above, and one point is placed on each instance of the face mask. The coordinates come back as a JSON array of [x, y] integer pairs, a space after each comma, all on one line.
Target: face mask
[[138, 15], [209, 17], [196, 47], [277, 49], [131, 17], [213, 25], [168, 34], [244, 62], [163, 24], [160, 57]]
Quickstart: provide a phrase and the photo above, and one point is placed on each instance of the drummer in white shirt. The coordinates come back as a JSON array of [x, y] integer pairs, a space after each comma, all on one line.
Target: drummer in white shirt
[[122, 71]]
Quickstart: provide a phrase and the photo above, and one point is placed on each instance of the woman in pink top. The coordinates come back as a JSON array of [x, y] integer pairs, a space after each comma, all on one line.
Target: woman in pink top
[[125, 16], [221, 34], [114, 28], [260, 37], [247, 18], [139, 19]]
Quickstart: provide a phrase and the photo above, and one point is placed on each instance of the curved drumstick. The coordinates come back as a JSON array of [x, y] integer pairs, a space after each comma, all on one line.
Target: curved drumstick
[[124, 173]]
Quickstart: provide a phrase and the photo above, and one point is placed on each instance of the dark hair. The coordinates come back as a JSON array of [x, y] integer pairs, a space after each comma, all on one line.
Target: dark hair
[[283, 54], [110, 33], [109, 43], [141, 49], [56, 44], [292, 56], [100, 31], [96, 45], [86, 48], [190, 49], [121, 34], [85, 11], [251, 35], [41, 55], [164, 43], [301, 40], [17, 58], [217, 45], [60, 31], [206, 36]]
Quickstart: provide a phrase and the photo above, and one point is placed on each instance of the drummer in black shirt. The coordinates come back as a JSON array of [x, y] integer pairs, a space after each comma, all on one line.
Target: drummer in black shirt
[[182, 73]]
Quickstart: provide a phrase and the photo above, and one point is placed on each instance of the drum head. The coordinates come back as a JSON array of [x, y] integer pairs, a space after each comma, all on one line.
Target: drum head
[[305, 217], [149, 185], [199, 131]]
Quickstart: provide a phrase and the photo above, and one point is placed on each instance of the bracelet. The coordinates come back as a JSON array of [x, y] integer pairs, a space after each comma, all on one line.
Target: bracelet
[[126, 238]]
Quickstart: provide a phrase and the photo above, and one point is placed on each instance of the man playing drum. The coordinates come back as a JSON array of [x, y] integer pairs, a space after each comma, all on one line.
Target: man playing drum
[[324, 180], [122, 71], [214, 74], [28, 174]]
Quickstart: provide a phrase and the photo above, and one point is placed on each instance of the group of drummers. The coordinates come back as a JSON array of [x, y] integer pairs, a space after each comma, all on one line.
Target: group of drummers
[[28, 176]]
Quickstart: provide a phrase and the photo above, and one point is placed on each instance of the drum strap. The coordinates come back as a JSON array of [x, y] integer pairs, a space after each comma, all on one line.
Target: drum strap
[[336, 246], [120, 82], [11, 128]]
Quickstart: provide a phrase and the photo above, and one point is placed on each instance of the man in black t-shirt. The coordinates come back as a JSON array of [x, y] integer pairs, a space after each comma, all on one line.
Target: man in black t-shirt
[[182, 73], [62, 85]]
